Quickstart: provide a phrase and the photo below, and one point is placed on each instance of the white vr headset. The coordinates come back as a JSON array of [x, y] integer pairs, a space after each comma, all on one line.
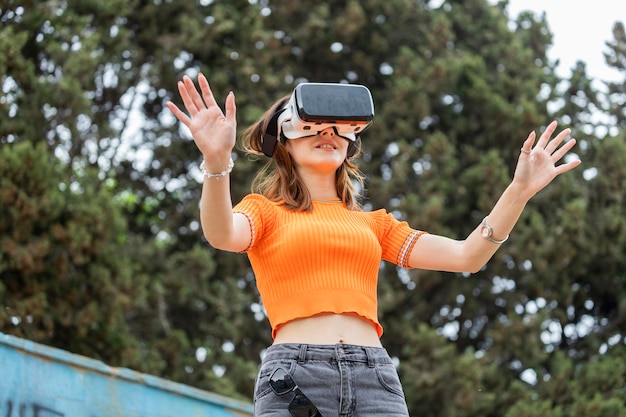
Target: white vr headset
[[313, 107]]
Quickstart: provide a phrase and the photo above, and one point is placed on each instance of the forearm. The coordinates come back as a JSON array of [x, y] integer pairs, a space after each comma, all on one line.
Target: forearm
[[441, 253], [502, 219], [216, 215]]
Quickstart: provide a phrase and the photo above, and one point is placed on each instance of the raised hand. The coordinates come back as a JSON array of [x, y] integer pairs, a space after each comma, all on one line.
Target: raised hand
[[213, 131], [537, 165]]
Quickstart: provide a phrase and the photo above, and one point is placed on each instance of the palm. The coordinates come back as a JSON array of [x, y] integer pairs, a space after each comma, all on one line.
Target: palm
[[537, 166], [213, 131]]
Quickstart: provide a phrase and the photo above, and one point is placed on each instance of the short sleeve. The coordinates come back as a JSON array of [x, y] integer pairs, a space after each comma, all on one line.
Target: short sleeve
[[260, 213], [397, 239]]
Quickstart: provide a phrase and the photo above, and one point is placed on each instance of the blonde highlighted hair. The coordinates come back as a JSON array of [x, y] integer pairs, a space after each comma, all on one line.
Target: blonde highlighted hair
[[279, 181]]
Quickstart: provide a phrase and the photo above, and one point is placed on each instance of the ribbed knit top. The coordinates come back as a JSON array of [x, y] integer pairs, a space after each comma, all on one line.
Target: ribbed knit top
[[322, 261]]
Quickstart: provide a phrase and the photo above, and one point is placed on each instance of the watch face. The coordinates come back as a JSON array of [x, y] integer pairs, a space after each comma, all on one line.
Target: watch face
[[486, 232]]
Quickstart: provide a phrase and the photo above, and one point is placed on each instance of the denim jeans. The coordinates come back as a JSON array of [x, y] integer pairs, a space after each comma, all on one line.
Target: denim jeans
[[341, 380]]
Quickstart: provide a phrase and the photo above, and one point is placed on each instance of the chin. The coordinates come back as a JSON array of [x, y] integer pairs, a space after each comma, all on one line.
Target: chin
[[330, 165]]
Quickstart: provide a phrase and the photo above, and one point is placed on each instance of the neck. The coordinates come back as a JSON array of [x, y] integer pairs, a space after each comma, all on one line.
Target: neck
[[321, 186]]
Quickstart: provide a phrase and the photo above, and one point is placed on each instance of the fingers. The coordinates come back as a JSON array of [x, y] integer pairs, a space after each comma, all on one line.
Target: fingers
[[527, 147], [553, 147], [186, 96], [563, 150], [207, 94], [556, 142], [230, 107], [195, 101], [180, 115], [545, 142], [568, 166], [545, 136]]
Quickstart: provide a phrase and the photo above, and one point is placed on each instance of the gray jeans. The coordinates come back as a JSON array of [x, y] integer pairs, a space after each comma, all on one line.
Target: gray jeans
[[341, 380]]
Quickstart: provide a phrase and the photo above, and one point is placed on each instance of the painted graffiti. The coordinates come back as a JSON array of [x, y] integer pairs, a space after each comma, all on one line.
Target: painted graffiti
[[28, 410]]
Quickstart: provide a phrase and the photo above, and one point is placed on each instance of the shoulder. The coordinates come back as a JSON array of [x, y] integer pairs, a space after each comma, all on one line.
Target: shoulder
[[258, 201], [256, 198], [260, 211], [381, 216], [386, 222]]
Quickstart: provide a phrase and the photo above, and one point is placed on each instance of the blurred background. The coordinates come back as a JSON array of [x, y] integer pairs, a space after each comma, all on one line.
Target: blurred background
[[101, 252]]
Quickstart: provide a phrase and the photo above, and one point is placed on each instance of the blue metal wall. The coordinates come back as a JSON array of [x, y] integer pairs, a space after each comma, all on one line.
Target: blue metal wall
[[40, 381]]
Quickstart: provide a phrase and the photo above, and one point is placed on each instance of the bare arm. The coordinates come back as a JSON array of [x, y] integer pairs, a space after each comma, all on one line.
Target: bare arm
[[214, 133], [535, 169]]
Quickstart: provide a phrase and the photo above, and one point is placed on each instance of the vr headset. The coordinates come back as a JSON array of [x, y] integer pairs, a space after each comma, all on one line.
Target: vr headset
[[313, 107]]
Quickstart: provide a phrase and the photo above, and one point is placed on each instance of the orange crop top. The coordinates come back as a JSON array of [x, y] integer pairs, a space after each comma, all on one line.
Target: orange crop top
[[323, 261]]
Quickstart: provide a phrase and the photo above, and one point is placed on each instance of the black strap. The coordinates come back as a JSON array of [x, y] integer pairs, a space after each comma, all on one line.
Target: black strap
[[270, 137]]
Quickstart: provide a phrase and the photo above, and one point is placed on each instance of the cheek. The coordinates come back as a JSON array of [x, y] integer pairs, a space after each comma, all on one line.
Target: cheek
[[288, 145], [294, 151], [345, 145]]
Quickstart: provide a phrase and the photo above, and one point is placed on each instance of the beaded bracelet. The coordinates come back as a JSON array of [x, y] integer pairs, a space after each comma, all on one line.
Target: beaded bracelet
[[227, 171]]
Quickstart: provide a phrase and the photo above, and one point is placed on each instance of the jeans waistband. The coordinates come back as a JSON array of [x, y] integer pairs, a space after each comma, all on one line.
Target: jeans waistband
[[328, 353]]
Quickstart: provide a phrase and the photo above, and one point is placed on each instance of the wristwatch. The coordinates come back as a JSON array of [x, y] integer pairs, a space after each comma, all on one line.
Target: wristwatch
[[486, 232]]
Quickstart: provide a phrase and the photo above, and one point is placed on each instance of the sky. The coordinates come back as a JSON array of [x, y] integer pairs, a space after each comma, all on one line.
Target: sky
[[580, 29]]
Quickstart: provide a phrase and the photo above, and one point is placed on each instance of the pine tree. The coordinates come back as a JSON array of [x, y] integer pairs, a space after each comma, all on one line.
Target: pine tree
[[64, 278], [457, 87]]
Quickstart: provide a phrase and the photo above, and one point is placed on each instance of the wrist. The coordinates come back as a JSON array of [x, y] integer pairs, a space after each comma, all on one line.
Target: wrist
[[216, 161], [216, 168], [519, 191]]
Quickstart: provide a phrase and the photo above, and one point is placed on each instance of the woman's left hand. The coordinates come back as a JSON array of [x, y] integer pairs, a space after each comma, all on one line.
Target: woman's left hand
[[537, 165]]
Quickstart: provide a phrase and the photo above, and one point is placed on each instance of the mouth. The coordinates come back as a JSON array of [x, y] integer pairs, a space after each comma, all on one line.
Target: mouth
[[326, 145]]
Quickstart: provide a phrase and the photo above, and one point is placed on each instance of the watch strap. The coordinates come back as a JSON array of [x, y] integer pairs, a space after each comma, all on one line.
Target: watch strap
[[489, 235]]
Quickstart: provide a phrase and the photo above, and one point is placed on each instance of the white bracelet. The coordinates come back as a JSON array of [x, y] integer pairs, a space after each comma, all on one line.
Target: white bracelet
[[227, 171]]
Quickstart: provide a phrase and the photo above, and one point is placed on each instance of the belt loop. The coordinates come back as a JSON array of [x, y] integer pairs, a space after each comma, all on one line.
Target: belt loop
[[370, 360], [302, 353]]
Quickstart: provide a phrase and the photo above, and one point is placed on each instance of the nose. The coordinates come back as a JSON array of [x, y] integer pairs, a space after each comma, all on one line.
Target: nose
[[329, 131]]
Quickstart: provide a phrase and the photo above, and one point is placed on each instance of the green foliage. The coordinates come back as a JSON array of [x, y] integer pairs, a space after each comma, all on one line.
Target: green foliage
[[65, 279], [593, 388], [101, 249]]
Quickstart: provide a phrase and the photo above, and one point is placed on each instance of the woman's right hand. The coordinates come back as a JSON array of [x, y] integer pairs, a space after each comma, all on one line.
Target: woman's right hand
[[213, 131]]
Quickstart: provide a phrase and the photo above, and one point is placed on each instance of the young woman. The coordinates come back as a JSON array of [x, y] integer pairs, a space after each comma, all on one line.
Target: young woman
[[316, 254]]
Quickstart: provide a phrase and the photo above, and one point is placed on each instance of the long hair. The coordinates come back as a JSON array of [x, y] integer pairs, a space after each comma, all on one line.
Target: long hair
[[279, 181]]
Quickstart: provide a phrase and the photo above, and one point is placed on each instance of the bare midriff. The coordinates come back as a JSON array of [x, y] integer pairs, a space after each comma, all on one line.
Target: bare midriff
[[329, 329]]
